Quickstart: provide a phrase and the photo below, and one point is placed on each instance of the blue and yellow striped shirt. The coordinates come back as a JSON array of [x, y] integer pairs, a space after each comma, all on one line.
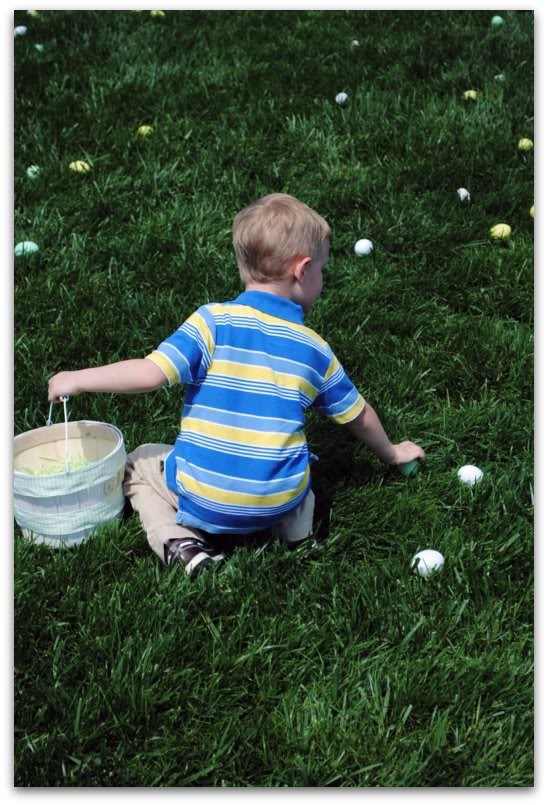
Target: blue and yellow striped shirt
[[252, 368]]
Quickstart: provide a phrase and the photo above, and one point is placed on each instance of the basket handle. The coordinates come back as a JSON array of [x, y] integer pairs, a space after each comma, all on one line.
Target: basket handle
[[49, 421]]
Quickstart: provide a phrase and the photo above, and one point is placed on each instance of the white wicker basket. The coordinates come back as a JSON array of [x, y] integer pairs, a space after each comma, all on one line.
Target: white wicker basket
[[65, 508]]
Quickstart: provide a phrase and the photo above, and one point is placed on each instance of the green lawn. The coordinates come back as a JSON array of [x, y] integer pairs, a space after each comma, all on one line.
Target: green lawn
[[334, 665]]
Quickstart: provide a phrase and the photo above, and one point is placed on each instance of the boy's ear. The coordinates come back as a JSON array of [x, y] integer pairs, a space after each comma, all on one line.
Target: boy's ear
[[298, 267]]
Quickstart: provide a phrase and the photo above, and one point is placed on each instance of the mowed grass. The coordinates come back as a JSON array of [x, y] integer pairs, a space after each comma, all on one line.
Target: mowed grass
[[334, 665]]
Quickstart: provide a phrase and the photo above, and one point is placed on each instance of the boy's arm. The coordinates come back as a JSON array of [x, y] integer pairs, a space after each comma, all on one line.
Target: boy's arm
[[130, 376], [368, 429]]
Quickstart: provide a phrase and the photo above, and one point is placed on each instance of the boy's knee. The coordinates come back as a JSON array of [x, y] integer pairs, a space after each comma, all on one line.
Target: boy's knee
[[148, 452], [144, 468], [298, 527], [144, 460]]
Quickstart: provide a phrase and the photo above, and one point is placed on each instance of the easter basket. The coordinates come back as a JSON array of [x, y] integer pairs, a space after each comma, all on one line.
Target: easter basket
[[68, 480]]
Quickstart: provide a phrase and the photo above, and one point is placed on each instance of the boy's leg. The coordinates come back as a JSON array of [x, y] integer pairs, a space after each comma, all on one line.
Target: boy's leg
[[297, 526], [156, 504]]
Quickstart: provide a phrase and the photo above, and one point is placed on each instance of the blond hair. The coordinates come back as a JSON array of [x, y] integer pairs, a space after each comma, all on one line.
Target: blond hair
[[271, 231]]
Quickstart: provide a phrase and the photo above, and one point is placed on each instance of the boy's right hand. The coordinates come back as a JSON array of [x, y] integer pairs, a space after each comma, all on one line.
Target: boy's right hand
[[62, 384], [407, 451]]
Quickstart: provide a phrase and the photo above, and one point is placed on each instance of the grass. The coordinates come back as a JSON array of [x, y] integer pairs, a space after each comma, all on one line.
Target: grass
[[334, 665]]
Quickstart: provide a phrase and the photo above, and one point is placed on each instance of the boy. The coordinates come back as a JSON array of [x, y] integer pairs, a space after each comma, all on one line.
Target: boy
[[240, 463]]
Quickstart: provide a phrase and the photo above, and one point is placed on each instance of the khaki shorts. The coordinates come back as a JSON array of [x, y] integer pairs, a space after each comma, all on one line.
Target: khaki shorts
[[156, 504]]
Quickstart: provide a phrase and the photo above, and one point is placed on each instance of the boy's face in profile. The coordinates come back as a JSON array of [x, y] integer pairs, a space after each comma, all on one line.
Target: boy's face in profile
[[313, 277]]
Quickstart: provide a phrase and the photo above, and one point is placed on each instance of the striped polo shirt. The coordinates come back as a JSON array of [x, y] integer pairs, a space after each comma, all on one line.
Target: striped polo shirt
[[251, 367]]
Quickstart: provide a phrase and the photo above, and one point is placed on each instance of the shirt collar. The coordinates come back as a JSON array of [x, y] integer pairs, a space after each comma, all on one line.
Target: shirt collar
[[271, 303]]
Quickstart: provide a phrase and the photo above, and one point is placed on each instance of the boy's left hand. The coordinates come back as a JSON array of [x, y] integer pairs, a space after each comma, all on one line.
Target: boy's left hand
[[407, 451]]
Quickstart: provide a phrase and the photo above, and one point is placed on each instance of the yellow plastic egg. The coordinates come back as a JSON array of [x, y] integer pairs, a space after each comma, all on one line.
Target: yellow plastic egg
[[79, 166], [500, 231], [145, 131]]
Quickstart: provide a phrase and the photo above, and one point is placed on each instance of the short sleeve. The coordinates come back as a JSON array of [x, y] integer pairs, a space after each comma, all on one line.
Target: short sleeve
[[185, 356], [338, 397]]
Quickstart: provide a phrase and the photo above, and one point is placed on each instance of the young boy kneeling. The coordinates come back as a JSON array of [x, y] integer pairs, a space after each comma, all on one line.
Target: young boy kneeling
[[240, 462]]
